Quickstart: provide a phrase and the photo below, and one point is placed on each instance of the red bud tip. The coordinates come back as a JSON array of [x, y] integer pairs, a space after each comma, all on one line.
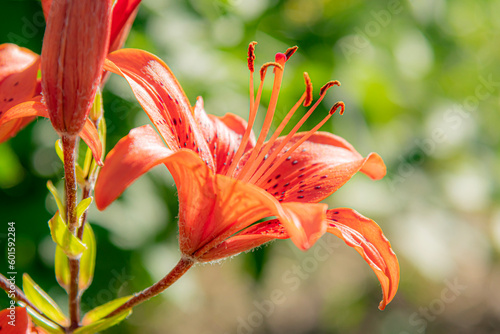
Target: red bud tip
[[264, 67], [290, 51], [337, 105], [309, 88], [251, 56], [327, 86]]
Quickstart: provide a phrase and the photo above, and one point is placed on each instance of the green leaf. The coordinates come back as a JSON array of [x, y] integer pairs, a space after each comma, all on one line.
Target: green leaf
[[80, 175], [62, 269], [70, 244], [59, 150], [46, 324], [42, 301], [82, 207], [87, 162], [103, 324], [96, 110], [54, 193], [87, 261], [101, 311]]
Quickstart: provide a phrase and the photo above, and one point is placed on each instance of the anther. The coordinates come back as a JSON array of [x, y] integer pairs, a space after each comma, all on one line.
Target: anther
[[290, 51], [327, 86], [309, 88], [264, 67], [251, 56], [337, 105]]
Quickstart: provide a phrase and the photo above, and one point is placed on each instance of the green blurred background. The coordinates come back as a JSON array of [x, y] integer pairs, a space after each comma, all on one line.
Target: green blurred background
[[421, 84]]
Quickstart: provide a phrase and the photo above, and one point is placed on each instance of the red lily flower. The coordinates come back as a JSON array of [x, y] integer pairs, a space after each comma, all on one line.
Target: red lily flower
[[227, 180], [19, 67], [17, 321]]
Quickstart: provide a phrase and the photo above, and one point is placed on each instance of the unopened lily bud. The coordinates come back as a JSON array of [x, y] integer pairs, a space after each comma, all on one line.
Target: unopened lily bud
[[74, 49]]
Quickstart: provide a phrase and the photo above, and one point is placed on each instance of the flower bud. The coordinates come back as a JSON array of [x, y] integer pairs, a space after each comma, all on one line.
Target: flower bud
[[74, 48]]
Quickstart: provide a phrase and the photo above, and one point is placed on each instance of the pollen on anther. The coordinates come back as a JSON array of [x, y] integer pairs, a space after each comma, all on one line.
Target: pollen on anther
[[337, 105], [290, 51], [327, 86], [251, 56], [309, 88]]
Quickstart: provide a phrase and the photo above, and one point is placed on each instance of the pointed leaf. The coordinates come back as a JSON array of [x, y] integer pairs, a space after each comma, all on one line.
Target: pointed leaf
[[57, 198], [70, 244], [103, 324], [87, 261], [61, 266], [82, 207], [46, 324], [101, 311], [42, 301], [59, 150], [80, 175]]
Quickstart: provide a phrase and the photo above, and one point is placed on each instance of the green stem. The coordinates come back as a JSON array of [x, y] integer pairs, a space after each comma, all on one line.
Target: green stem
[[180, 269]]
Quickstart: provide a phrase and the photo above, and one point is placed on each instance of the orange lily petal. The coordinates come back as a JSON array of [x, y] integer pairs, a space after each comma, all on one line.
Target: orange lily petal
[[214, 207], [364, 235], [162, 98], [317, 168], [21, 320], [124, 12], [29, 109], [311, 219], [252, 237], [312, 223], [133, 155], [18, 83], [223, 135]]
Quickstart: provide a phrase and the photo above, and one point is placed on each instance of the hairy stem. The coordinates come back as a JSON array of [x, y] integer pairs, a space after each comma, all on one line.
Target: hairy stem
[[69, 150], [180, 269]]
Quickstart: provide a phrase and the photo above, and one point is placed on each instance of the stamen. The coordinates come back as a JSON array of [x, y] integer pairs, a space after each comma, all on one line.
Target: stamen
[[290, 51], [278, 77], [302, 140], [273, 156], [264, 67], [251, 61], [309, 88], [251, 56], [251, 119], [305, 96], [327, 86]]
